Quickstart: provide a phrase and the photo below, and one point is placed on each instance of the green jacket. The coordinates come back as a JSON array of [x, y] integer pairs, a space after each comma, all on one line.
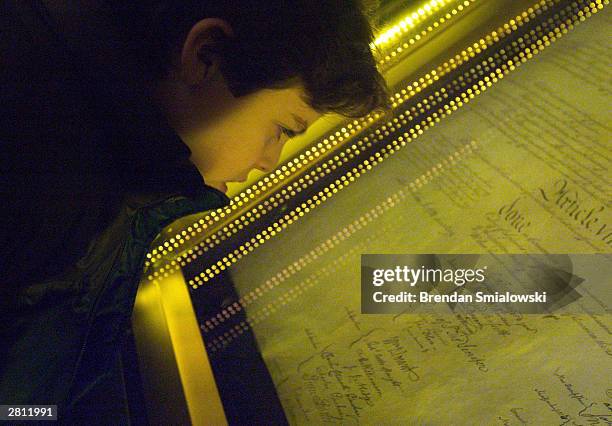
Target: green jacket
[[63, 335]]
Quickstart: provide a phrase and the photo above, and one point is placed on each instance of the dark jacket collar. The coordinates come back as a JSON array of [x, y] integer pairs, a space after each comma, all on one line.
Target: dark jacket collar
[[149, 156]]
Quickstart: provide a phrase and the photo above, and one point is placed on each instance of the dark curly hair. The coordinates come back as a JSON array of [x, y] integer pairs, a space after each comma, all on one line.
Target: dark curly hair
[[323, 44]]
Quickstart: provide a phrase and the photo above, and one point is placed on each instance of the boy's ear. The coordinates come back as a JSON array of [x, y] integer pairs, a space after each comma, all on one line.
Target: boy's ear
[[199, 58]]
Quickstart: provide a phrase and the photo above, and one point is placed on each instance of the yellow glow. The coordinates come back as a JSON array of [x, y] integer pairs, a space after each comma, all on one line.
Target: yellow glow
[[163, 319], [409, 21]]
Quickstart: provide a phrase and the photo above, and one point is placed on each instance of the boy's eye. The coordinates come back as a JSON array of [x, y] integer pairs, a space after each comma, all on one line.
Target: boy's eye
[[288, 132]]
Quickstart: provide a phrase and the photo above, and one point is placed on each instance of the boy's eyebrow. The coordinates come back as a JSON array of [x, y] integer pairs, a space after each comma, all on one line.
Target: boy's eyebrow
[[301, 124]]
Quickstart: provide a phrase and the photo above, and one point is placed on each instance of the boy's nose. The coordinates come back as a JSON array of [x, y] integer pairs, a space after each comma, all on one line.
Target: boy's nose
[[269, 159]]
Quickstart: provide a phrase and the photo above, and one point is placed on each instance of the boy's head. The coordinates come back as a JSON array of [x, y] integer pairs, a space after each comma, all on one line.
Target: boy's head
[[237, 78]]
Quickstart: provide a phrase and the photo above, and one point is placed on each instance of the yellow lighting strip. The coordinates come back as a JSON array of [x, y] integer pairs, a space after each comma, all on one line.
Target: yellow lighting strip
[[340, 236], [510, 65], [304, 159], [410, 21]]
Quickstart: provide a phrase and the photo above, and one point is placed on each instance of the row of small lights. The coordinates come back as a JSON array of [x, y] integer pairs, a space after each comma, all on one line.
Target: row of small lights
[[452, 64], [340, 236], [290, 295], [409, 23], [304, 160], [217, 320]]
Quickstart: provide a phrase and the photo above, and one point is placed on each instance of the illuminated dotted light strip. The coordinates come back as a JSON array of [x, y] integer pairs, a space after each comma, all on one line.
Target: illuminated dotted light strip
[[511, 65], [222, 341], [394, 53], [306, 158], [469, 53], [332, 242], [251, 193], [293, 293], [409, 22]]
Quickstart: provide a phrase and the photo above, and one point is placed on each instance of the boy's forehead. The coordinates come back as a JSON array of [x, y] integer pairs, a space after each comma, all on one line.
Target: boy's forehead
[[294, 101], [306, 115]]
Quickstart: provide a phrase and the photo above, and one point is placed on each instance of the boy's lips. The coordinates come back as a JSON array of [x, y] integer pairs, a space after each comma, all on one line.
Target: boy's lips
[[240, 179]]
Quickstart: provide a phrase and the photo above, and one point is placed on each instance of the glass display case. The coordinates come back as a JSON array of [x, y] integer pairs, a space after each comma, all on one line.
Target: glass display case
[[497, 142]]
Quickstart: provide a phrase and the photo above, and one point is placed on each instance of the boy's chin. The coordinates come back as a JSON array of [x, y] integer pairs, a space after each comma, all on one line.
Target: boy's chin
[[221, 186]]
